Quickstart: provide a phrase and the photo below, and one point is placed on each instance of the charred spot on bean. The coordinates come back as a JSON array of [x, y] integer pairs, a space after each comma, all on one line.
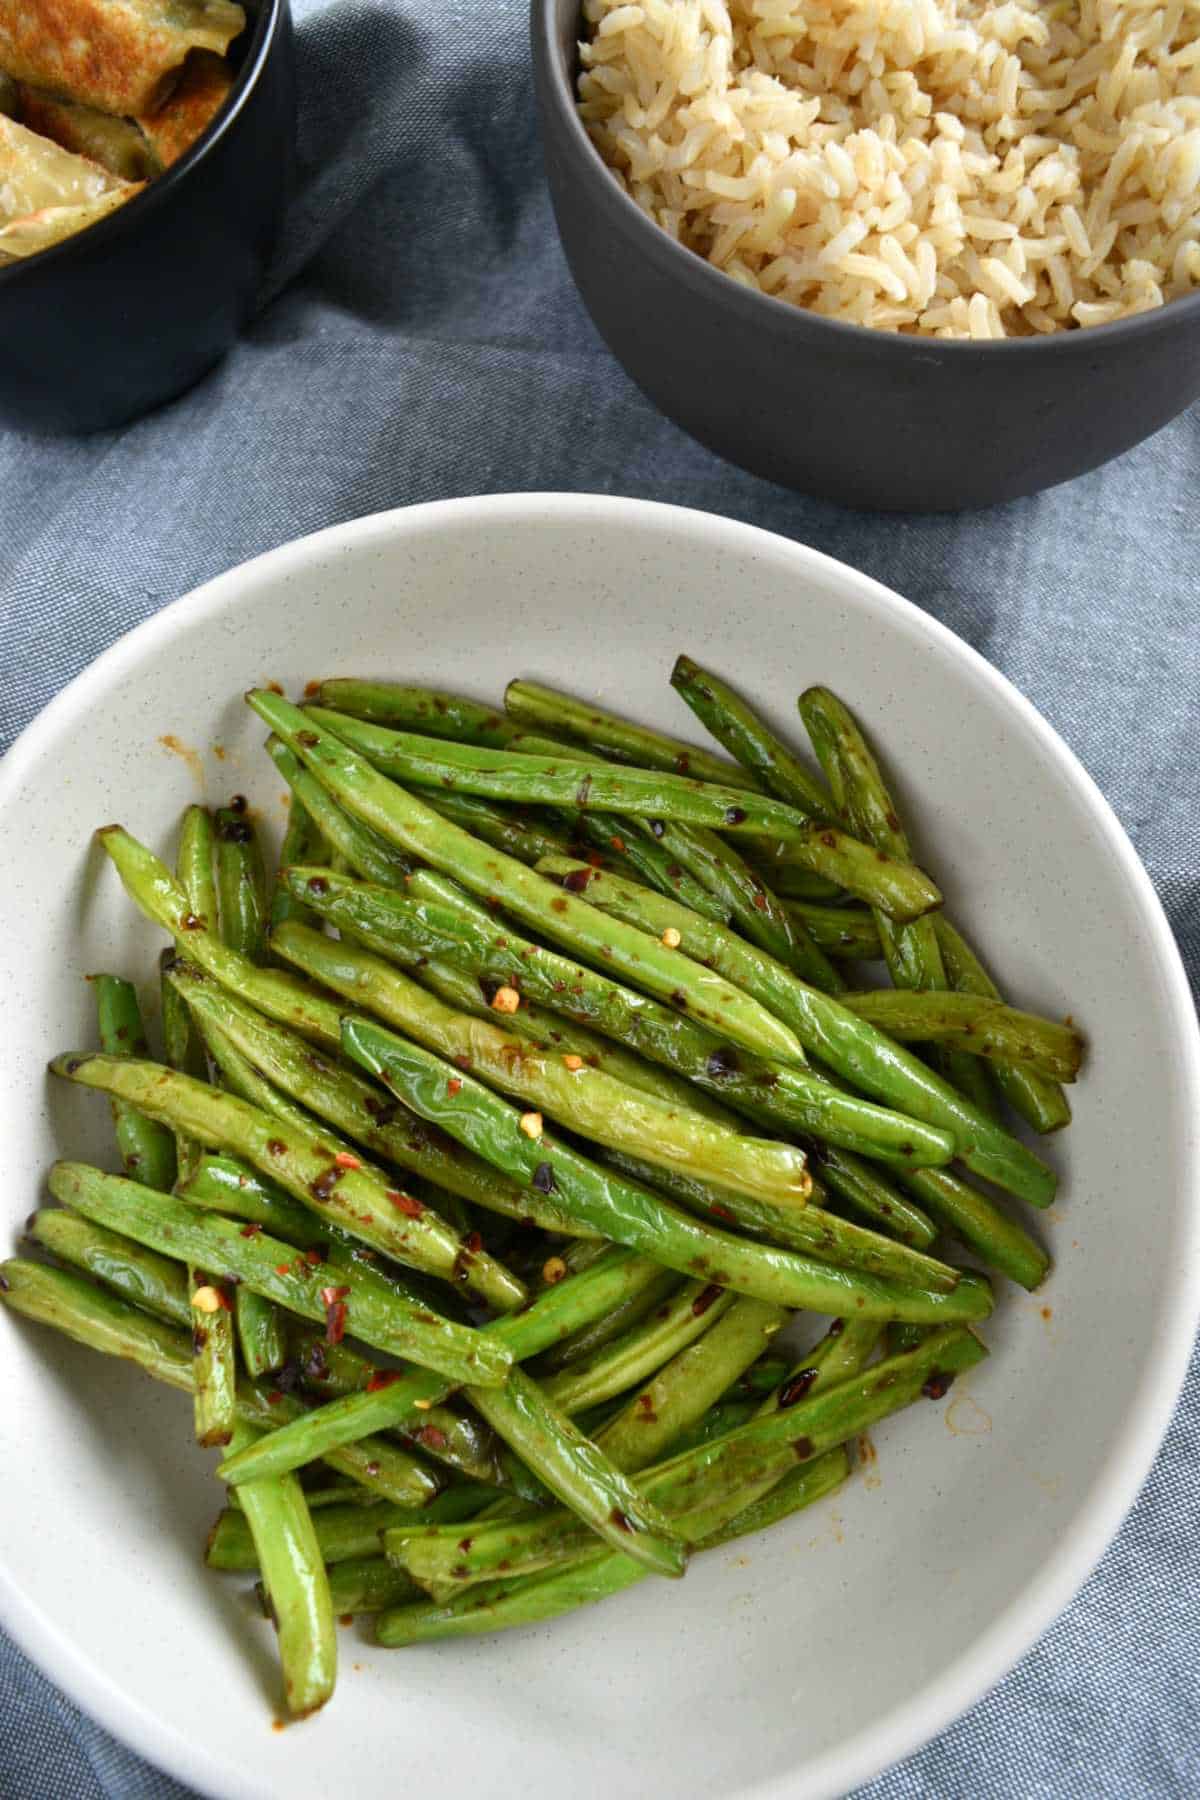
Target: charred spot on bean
[[372, 1469], [735, 815], [583, 792], [679, 999], [234, 831], [543, 1178], [658, 828], [829, 839], [795, 1389], [837, 1328], [290, 1377], [722, 1062], [307, 738], [191, 922], [277, 1147], [621, 1520], [939, 1384], [704, 1300], [802, 1448], [317, 884], [464, 1545], [322, 1185], [558, 904], [577, 880], [199, 1341]]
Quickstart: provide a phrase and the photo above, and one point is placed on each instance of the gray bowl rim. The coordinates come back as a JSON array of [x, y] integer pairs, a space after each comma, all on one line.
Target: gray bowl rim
[[712, 283], [264, 35]]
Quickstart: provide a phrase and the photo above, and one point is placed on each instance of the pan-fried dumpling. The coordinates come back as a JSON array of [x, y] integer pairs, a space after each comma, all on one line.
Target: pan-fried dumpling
[[39, 230], [121, 56], [202, 91], [116, 144], [46, 192]]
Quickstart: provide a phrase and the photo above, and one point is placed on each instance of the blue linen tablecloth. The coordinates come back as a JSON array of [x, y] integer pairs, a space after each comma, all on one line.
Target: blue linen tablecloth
[[422, 338]]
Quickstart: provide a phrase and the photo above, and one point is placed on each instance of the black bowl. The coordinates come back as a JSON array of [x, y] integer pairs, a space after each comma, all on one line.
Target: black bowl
[[865, 417], [133, 310]]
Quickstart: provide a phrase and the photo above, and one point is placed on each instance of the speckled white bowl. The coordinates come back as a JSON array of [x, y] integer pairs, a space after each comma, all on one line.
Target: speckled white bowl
[[795, 1665]]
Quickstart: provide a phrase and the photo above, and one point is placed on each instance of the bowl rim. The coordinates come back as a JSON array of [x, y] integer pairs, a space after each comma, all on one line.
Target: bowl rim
[[1033, 1609], [108, 231], [721, 289]]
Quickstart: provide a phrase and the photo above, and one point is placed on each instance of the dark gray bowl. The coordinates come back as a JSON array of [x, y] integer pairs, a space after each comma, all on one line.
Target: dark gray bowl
[[130, 312], [868, 418]]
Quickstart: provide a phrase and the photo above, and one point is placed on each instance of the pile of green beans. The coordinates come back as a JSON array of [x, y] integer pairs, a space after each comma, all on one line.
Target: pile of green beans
[[504, 1132]]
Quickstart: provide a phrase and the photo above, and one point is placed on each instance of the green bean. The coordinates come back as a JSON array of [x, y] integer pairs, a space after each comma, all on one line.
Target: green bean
[[407, 822], [792, 1492], [197, 862], [350, 1198], [241, 881], [430, 710], [363, 849], [834, 1034], [912, 952], [767, 1091], [982, 1027], [738, 729], [580, 1475], [553, 1316], [723, 1475], [260, 1333], [520, 833], [368, 1584], [582, 782], [858, 1184], [639, 1352], [546, 709], [523, 777], [749, 903], [375, 1311], [153, 1282], [842, 1353], [303, 842], [296, 1585], [848, 933], [586, 1099], [644, 1296], [147, 1150], [1037, 1100], [344, 1533], [812, 1229], [978, 1222], [356, 1107], [684, 1388], [154, 890], [633, 1215], [102, 1322]]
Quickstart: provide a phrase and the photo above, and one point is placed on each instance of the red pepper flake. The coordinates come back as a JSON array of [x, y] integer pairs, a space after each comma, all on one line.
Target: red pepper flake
[[344, 1160], [473, 1242], [721, 1212], [335, 1322], [283, 1268], [311, 689], [316, 1256], [454, 1086], [760, 900], [432, 1437], [251, 1230], [594, 857], [617, 843], [277, 1147], [382, 1378], [578, 879], [331, 1295], [412, 1209], [274, 1397]]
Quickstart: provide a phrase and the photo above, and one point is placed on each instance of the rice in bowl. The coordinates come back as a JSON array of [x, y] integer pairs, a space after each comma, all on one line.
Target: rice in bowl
[[953, 168]]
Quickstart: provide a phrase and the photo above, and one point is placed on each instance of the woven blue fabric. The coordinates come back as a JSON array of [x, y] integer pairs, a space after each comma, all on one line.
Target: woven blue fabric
[[425, 340]]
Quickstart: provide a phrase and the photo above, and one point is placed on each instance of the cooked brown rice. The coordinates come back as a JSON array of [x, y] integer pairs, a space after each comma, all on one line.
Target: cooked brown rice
[[952, 167]]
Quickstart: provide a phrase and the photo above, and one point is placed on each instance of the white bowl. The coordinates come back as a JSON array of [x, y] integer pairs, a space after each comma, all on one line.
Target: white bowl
[[793, 1665]]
